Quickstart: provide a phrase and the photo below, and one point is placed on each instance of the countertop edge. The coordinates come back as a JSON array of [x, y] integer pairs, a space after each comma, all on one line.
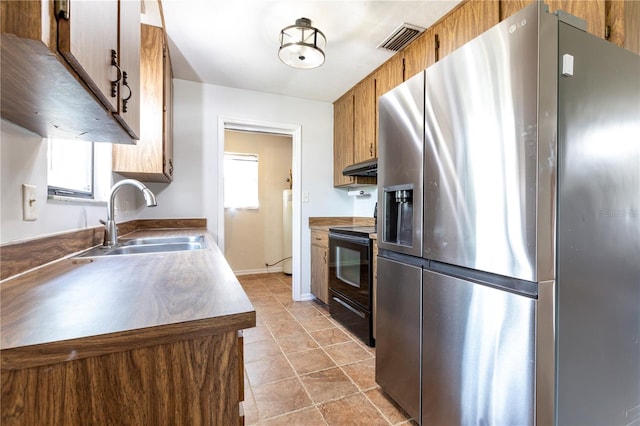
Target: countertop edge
[[74, 349]]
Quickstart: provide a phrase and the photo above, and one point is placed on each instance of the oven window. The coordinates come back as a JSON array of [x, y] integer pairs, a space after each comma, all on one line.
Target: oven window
[[348, 265]]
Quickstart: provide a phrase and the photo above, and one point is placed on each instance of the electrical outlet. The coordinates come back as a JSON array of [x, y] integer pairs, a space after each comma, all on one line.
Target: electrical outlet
[[29, 202], [305, 197]]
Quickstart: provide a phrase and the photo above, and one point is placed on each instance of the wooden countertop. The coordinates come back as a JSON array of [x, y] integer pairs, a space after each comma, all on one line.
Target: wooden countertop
[[324, 223], [75, 308]]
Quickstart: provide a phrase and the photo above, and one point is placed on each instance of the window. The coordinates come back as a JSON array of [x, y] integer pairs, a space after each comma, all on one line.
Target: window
[[78, 169], [70, 168], [241, 181]]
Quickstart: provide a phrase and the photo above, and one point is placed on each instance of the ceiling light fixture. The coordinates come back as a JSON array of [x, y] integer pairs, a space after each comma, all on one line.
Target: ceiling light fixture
[[301, 45]]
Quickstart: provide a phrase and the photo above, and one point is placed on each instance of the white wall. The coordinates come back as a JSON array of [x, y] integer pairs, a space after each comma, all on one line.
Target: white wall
[[194, 190], [23, 159]]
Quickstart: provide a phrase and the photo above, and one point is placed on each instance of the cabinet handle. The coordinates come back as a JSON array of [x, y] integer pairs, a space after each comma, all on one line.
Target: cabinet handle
[[318, 238], [114, 83], [371, 149], [125, 101]]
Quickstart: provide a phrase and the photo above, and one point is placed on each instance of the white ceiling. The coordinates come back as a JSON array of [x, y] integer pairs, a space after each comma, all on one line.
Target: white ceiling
[[234, 43]]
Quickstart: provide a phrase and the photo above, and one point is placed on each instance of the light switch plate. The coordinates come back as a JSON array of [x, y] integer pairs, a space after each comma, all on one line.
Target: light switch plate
[[29, 202]]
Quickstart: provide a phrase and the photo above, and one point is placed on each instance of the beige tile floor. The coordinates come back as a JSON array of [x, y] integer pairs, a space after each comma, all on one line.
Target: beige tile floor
[[303, 368]]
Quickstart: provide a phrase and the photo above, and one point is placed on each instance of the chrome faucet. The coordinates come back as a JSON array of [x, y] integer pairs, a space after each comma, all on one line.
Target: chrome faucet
[[110, 229]]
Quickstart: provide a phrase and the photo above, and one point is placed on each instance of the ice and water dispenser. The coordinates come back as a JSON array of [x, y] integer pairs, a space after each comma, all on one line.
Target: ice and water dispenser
[[398, 215]]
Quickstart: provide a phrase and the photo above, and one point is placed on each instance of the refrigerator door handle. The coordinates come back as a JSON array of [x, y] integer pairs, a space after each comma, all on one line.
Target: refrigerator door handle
[[358, 313]]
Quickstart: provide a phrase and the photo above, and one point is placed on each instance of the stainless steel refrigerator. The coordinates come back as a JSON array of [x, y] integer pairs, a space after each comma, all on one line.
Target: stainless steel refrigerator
[[509, 187]]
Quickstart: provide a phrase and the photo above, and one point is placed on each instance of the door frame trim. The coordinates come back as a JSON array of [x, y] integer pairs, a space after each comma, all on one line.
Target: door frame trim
[[293, 130]]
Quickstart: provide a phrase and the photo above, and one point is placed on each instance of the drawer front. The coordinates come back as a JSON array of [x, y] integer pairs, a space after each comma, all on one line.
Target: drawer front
[[320, 238]]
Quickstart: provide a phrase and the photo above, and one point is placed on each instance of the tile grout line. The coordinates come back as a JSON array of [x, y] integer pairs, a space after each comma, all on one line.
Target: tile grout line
[[340, 367]]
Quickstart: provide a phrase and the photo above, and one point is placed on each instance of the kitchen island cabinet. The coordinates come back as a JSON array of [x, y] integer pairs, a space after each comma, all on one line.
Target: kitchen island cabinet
[[135, 339]]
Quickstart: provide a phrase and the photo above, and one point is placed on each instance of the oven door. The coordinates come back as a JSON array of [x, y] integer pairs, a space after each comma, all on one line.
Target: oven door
[[350, 268]]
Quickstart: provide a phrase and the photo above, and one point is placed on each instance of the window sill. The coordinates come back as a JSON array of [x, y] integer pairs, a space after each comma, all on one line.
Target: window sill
[[75, 200]]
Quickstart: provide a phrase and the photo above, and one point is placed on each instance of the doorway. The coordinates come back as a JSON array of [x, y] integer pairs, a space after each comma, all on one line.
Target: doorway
[[257, 228], [293, 132]]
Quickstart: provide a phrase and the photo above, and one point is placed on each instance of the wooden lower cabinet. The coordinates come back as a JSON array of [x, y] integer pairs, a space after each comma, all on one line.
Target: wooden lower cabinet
[[320, 265], [191, 382]]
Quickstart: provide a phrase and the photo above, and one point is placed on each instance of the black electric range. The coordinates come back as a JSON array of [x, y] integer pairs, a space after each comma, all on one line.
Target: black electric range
[[351, 278]]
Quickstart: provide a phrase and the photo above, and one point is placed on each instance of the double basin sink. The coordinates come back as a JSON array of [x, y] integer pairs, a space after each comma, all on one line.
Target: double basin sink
[[149, 245]]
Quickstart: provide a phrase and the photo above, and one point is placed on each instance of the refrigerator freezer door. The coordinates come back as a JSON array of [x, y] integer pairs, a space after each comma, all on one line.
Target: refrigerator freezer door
[[400, 152], [478, 354], [398, 333], [484, 152], [598, 234]]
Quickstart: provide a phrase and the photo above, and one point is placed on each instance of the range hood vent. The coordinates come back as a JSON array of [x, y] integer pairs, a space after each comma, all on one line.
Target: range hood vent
[[402, 36], [365, 168]]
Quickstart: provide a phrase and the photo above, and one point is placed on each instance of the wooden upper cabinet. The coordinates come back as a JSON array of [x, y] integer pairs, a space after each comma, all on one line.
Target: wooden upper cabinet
[[168, 114], [70, 43], [129, 51], [364, 145], [389, 75], [464, 23], [420, 54], [342, 138], [150, 160], [623, 21], [87, 40], [592, 11]]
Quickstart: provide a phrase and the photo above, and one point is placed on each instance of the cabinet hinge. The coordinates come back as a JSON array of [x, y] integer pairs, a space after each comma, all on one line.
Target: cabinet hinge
[[62, 9], [607, 32], [436, 43]]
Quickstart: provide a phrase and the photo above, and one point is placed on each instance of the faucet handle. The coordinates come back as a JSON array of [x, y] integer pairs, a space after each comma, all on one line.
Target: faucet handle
[[103, 222]]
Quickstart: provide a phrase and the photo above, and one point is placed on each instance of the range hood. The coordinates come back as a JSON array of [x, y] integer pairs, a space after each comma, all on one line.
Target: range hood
[[364, 168]]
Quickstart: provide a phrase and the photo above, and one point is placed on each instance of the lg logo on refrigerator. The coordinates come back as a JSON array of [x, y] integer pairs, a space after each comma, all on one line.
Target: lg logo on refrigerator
[[517, 25]]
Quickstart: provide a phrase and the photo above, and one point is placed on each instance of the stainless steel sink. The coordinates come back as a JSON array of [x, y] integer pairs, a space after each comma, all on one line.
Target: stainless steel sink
[[196, 239], [149, 245]]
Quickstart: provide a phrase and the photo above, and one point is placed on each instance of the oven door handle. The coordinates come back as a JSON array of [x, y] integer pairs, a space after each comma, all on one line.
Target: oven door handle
[[350, 238], [355, 311]]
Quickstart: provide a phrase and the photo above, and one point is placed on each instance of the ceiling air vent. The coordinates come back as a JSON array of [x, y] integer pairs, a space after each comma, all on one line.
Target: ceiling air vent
[[400, 37]]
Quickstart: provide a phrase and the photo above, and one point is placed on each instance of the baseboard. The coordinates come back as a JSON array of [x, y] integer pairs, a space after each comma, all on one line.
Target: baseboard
[[258, 271], [307, 296]]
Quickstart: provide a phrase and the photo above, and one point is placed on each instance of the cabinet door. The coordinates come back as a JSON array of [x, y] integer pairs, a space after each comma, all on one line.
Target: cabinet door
[[144, 161], [129, 48], [86, 41], [387, 77], [167, 135], [420, 54], [364, 120], [465, 23], [319, 273], [623, 21], [342, 138]]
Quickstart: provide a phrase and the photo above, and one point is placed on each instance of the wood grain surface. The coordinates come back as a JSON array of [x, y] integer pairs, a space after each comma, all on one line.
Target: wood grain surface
[[326, 222], [77, 308], [21, 256], [190, 382]]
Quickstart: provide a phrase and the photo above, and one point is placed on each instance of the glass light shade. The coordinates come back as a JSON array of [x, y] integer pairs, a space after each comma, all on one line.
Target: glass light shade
[[301, 45]]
